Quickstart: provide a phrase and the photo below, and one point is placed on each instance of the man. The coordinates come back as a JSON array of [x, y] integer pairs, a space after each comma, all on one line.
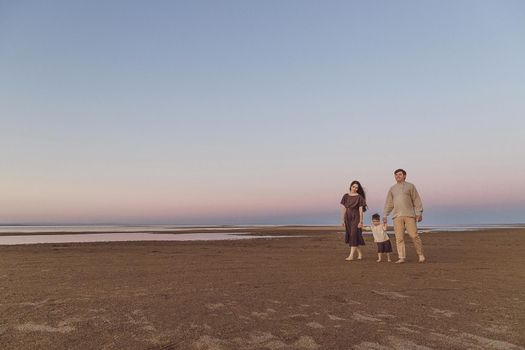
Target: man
[[405, 205]]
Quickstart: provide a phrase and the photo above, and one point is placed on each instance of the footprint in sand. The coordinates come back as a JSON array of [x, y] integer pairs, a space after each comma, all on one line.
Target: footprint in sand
[[390, 343], [298, 316], [390, 295], [215, 307], [257, 340], [35, 304], [136, 317], [97, 310], [206, 342], [315, 325], [446, 313], [262, 315], [365, 318], [335, 318], [407, 330], [454, 339], [33, 327], [496, 329], [342, 300], [471, 341], [63, 327]]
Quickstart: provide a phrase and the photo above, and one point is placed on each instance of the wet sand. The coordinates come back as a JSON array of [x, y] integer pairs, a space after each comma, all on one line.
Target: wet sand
[[279, 293]]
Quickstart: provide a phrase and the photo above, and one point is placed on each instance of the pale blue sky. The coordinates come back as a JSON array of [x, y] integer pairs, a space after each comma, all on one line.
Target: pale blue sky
[[259, 111]]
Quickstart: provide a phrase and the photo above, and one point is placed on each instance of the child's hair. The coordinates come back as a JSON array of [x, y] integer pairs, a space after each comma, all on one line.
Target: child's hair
[[376, 216]]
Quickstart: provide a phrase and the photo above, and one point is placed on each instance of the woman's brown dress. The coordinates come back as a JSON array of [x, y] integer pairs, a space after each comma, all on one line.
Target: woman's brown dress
[[353, 234]]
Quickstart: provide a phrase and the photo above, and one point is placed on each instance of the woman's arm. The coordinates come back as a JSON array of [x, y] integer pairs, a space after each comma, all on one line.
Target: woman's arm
[[343, 213], [360, 225]]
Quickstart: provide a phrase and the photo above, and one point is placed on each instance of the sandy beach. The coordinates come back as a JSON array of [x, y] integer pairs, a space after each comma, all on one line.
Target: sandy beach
[[278, 293]]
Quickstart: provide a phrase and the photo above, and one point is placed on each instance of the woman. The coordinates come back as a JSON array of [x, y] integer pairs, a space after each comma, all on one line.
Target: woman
[[354, 204]]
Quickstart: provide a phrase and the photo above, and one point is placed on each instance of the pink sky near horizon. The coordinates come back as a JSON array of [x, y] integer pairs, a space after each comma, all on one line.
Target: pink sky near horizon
[[123, 202]]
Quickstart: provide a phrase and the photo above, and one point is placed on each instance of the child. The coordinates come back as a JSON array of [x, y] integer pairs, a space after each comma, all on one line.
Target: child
[[380, 237]]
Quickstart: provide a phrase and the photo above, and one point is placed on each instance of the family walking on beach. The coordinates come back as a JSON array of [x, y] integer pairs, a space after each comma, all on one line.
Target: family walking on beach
[[402, 201]]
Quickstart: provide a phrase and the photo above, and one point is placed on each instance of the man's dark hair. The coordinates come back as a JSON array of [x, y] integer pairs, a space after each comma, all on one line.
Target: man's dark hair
[[400, 170], [376, 216]]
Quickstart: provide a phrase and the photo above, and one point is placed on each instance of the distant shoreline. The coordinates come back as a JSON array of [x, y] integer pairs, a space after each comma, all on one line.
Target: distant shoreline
[[20, 229], [39, 235]]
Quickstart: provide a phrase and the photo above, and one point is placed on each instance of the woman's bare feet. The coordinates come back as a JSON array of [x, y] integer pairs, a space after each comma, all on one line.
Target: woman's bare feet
[[378, 260], [350, 258]]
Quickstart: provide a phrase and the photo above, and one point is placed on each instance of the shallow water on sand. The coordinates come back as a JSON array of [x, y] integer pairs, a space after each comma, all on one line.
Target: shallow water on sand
[[14, 235], [125, 237], [24, 229]]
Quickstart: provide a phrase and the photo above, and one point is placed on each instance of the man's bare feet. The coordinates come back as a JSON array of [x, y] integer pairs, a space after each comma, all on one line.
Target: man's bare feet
[[422, 259], [401, 261], [360, 257]]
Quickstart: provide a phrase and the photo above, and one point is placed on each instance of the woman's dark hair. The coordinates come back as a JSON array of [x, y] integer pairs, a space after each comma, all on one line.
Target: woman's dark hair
[[360, 190]]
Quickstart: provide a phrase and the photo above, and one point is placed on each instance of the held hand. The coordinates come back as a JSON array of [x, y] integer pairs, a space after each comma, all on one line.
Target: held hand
[[385, 220], [419, 218], [343, 223], [360, 225]]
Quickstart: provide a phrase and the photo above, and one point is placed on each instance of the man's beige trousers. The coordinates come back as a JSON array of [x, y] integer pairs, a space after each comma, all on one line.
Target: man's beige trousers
[[408, 223]]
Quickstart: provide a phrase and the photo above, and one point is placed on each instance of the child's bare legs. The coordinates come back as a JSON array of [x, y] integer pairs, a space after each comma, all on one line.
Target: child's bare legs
[[380, 255]]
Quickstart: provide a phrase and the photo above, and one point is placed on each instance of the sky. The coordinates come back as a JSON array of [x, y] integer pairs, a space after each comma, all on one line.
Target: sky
[[259, 112]]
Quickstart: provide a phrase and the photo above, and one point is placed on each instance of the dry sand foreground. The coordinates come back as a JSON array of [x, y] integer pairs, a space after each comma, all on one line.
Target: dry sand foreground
[[286, 293]]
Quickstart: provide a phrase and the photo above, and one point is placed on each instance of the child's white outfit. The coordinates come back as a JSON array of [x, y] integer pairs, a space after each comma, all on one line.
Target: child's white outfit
[[381, 238]]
